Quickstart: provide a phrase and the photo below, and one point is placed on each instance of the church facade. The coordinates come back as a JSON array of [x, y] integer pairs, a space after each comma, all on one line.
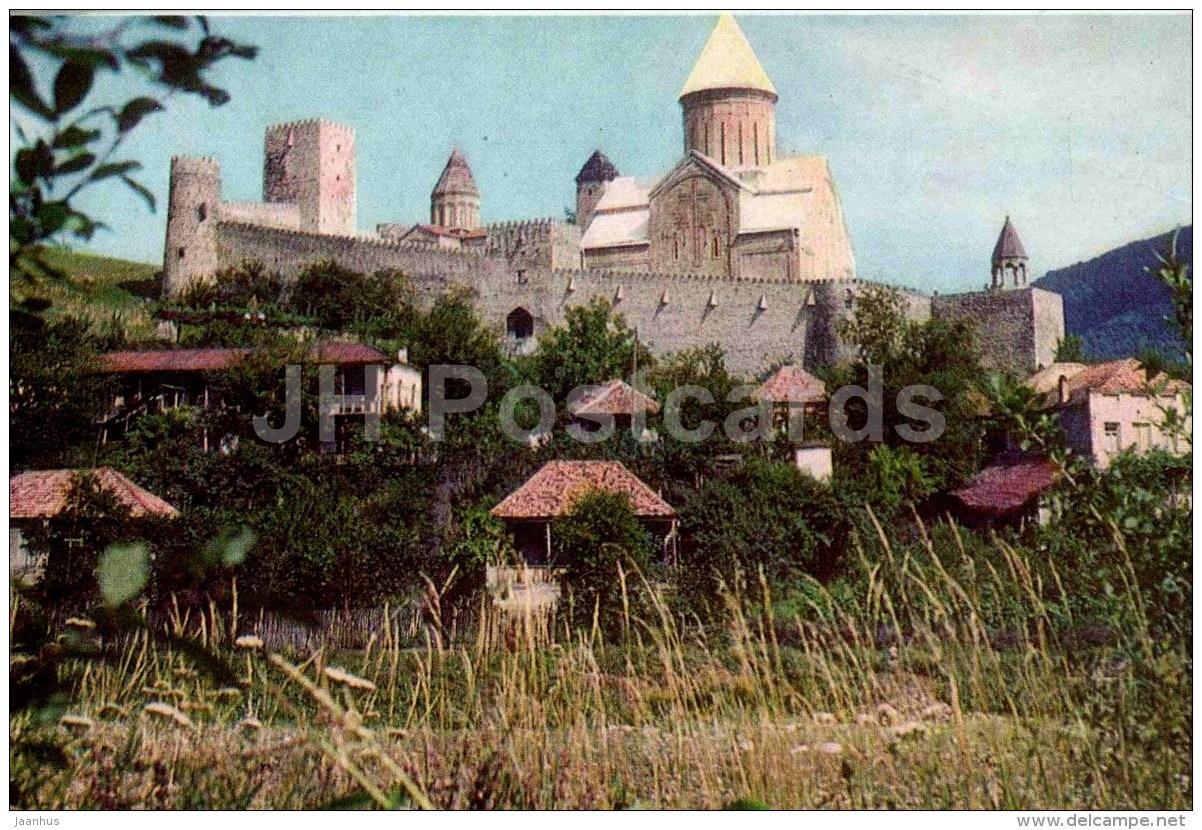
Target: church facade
[[734, 245]]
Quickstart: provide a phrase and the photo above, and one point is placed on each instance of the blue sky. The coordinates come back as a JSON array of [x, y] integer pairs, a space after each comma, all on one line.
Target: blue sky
[[935, 126]]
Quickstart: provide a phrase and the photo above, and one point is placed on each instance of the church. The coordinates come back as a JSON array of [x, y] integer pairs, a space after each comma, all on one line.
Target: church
[[734, 245]]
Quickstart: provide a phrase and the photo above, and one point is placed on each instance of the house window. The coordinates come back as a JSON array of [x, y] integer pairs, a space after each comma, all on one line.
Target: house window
[[1143, 436], [1111, 437]]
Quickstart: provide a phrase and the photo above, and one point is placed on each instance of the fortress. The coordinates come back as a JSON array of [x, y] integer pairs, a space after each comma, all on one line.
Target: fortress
[[734, 245]]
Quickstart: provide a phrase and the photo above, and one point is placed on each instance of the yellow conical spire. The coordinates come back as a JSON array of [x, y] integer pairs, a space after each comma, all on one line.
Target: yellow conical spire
[[727, 62]]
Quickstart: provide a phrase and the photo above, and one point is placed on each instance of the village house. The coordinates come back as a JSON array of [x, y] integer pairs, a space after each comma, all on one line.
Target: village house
[[153, 381], [37, 496], [795, 392], [1103, 410], [553, 491], [614, 399]]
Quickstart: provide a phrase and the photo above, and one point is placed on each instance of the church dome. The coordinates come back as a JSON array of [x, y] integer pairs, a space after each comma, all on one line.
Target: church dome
[[456, 177], [597, 169], [728, 62]]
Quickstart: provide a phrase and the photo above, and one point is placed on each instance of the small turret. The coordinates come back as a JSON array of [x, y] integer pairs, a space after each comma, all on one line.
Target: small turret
[[190, 252], [1009, 258], [591, 183], [455, 202]]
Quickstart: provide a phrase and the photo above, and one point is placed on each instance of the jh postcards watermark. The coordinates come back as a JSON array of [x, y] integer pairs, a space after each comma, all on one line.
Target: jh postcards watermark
[[754, 422]]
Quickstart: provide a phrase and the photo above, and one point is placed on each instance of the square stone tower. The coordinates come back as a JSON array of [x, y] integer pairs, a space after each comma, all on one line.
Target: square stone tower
[[312, 164]]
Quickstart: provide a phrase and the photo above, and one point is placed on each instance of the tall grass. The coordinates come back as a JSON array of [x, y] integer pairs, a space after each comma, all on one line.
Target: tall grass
[[903, 695]]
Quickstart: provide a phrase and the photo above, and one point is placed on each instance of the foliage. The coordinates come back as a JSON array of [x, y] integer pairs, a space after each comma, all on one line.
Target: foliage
[[606, 553], [1070, 349], [766, 518], [246, 286], [1175, 274], [337, 297], [594, 345], [55, 394], [64, 147], [936, 353]]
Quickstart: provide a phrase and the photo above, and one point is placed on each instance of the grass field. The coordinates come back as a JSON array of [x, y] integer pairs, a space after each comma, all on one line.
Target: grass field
[[103, 290], [818, 712]]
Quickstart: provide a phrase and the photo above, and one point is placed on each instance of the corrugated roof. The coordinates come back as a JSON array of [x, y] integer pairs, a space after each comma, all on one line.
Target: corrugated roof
[[555, 489], [1008, 244], [456, 177], [727, 62], [219, 359], [791, 384], [1007, 484], [613, 398], [42, 494]]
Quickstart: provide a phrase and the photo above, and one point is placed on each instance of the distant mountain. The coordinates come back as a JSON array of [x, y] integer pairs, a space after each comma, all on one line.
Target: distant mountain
[[1116, 306]]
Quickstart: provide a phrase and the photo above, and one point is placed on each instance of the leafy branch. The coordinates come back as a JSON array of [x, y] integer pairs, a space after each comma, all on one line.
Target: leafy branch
[[66, 147]]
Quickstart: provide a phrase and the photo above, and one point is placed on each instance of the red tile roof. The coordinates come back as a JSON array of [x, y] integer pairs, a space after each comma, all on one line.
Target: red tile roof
[[218, 359], [553, 490], [42, 494], [1111, 378], [1007, 484], [791, 384], [615, 397]]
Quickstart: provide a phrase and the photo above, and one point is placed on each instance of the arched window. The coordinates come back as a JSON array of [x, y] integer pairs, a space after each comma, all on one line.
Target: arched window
[[519, 324], [715, 247]]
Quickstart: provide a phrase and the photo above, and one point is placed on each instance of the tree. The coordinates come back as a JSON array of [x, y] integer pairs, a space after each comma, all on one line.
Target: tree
[[1070, 349], [63, 146], [593, 345], [1176, 275], [602, 546], [55, 394], [765, 516], [937, 353]]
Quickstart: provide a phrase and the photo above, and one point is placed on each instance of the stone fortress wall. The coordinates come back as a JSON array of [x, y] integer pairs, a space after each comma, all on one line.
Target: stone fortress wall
[[757, 322], [534, 266]]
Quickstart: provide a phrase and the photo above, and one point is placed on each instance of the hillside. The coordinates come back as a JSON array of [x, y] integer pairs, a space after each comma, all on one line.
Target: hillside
[[1114, 304], [99, 289]]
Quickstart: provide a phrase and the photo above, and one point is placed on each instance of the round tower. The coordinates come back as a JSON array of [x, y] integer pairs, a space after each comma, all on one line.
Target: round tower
[[729, 103], [455, 202], [591, 184], [1009, 260], [191, 245]]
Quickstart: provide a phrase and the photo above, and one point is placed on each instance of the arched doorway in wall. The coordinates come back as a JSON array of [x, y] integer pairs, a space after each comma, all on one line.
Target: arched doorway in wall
[[519, 324]]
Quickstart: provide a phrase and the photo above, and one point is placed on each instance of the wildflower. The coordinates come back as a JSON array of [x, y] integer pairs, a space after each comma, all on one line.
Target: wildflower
[[865, 719], [169, 712], [111, 710], [799, 749], [249, 641], [832, 748], [80, 622], [347, 679], [825, 718], [251, 724], [80, 722], [227, 692]]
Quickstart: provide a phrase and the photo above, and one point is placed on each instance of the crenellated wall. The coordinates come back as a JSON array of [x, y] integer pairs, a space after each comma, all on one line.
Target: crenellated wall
[[756, 321]]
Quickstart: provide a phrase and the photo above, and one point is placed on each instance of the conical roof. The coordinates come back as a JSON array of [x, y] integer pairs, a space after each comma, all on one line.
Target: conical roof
[[727, 62], [456, 177], [598, 168], [1008, 246]]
